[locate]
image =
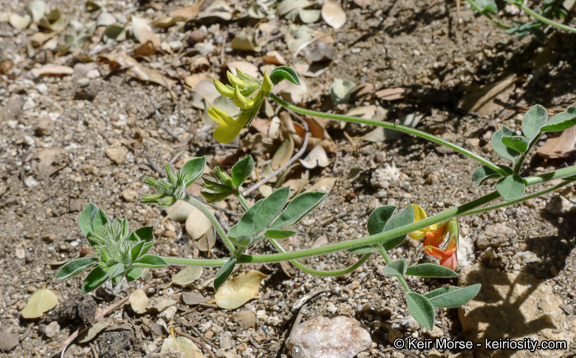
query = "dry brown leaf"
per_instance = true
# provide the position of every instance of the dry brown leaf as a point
(92, 332)
(182, 344)
(19, 22)
(559, 147)
(275, 58)
(391, 94)
(41, 301)
(53, 70)
(40, 38)
(187, 275)
(239, 290)
(207, 242)
(121, 61)
(180, 211)
(324, 185)
(480, 99)
(316, 158)
(187, 13)
(139, 301)
(283, 154)
(143, 32)
(197, 224)
(333, 14)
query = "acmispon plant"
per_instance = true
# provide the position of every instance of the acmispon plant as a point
(120, 254)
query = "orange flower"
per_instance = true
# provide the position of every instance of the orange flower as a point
(435, 239)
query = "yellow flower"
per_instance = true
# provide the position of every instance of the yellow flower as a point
(229, 127)
(420, 214)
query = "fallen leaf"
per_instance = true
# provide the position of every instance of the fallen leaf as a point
(287, 6)
(53, 21)
(39, 38)
(316, 158)
(297, 36)
(114, 33)
(92, 332)
(275, 58)
(218, 8)
(319, 53)
(340, 90)
(283, 154)
(187, 275)
(159, 304)
(239, 290)
(245, 318)
(480, 99)
(193, 298)
(390, 94)
(381, 134)
(189, 12)
(559, 147)
(121, 61)
(245, 42)
(182, 344)
(139, 301)
(105, 19)
(143, 32)
(324, 185)
(41, 301)
(207, 242)
(309, 16)
(206, 95)
(333, 14)
(197, 224)
(36, 9)
(180, 211)
(53, 70)
(19, 22)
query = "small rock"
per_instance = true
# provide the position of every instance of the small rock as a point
(8, 341)
(159, 304)
(20, 253)
(434, 333)
(130, 195)
(117, 154)
(559, 205)
(245, 318)
(472, 142)
(340, 337)
(52, 329)
(382, 177)
(49, 238)
(86, 70)
(528, 256)
(193, 298)
(44, 127)
(196, 36)
(76, 205)
(13, 109)
(51, 160)
(31, 182)
(495, 235)
(465, 252)
(169, 313)
(226, 340)
(90, 169)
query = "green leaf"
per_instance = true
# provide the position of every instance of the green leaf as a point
(270, 208)
(517, 143)
(511, 187)
(450, 297)
(483, 174)
(402, 218)
(92, 220)
(561, 121)
(223, 177)
(243, 241)
(430, 270)
(421, 309)
(534, 119)
(145, 233)
(378, 219)
(94, 280)
(279, 234)
(36, 9)
(224, 272)
(242, 170)
(116, 270)
(396, 268)
(500, 148)
(487, 5)
(245, 226)
(193, 169)
(297, 208)
(75, 267)
(136, 250)
(213, 197)
(150, 261)
(284, 73)
(133, 274)
(114, 33)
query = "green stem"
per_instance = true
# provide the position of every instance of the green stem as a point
(213, 220)
(395, 127)
(388, 262)
(463, 210)
(242, 200)
(520, 161)
(540, 17)
(485, 13)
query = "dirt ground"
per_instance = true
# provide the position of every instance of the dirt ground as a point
(65, 142)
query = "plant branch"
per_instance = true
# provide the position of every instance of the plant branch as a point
(485, 13)
(540, 17)
(213, 220)
(395, 127)
(388, 262)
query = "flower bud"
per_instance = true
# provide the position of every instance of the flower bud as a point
(267, 85)
(223, 89)
(241, 101)
(235, 81)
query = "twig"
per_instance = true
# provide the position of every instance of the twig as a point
(98, 318)
(331, 219)
(203, 339)
(197, 341)
(154, 166)
(175, 158)
(286, 165)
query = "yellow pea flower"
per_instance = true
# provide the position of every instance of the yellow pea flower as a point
(420, 214)
(241, 101)
(229, 127)
(223, 89)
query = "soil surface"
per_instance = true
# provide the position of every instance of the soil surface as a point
(67, 141)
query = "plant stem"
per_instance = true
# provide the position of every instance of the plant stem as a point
(463, 210)
(311, 271)
(540, 17)
(242, 200)
(395, 127)
(388, 262)
(213, 220)
(520, 161)
(485, 13)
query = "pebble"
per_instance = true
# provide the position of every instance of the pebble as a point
(44, 127)
(245, 318)
(20, 253)
(495, 235)
(52, 329)
(169, 313)
(559, 205)
(31, 182)
(76, 205)
(196, 36)
(340, 337)
(8, 341)
(130, 195)
(117, 154)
